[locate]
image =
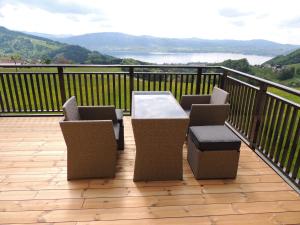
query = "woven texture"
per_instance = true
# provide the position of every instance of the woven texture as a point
(91, 149)
(158, 148)
(212, 164)
(105, 113)
(206, 109)
(91, 134)
(187, 100)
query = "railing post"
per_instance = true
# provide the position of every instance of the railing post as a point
(257, 117)
(131, 84)
(223, 79)
(60, 71)
(198, 80)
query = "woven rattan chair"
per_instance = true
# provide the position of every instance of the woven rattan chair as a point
(206, 109)
(91, 135)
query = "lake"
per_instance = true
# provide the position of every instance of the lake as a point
(160, 58)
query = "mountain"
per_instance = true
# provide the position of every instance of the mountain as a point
(31, 48)
(48, 36)
(291, 58)
(114, 43)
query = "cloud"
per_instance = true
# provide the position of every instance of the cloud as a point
(238, 23)
(54, 6)
(293, 23)
(231, 12)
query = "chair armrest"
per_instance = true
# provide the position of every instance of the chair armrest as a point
(208, 114)
(98, 113)
(187, 100)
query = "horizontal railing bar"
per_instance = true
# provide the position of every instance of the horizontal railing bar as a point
(31, 114)
(95, 73)
(244, 83)
(103, 66)
(269, 83)
(105, 73)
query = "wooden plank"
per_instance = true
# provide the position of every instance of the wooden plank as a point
(34, 189)
(150, 212)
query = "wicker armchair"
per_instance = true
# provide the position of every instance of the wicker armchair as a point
(206, 109)
(91, 135)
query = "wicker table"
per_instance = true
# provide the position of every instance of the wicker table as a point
(159, 127)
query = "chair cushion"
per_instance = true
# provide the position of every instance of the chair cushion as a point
(70, 109)
(214, 138)
(219, 96)
(119, 113)
(187, 111)
(116, 127)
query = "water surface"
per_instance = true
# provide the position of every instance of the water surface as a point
(160, 58)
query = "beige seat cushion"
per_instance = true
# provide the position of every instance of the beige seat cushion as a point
(70, 109)
(219, 96)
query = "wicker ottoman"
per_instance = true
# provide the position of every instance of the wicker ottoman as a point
(213, 152)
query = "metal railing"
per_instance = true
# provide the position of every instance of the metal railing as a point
(268, 123)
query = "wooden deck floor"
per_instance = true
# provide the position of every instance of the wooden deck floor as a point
(34, 189)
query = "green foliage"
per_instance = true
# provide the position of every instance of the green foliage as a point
(286, 73)
(28, 47)
(298, 71)
(241, 64)
(292, 58)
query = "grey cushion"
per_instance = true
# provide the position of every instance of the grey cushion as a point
(214, 138)
(119, 113)
(187, 111)
(219, 96)
(70, 109)
(116, 130)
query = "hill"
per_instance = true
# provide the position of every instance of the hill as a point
(31, 48)
(110, 43)
(291, 58)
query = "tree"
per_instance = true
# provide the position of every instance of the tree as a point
(286, 73)
(15, 58)
(241, 65)
(298, 71)
(46, 60)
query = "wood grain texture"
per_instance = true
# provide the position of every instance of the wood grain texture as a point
(34, 188)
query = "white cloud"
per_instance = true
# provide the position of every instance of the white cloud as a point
(214, 19)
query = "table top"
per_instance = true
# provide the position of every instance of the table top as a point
(156, 105)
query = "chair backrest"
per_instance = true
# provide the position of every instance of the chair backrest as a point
(219, 96)
(70, 109)
(209, 114)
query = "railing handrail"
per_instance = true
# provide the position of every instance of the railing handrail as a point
(261, 80)
(242, 74)
(104, 66)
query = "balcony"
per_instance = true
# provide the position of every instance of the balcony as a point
(34, 188)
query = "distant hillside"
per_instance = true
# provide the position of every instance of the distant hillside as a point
(111, 43)
(31, 48)
(291, 58)
(27, 46)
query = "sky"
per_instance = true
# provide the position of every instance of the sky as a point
(275, 20)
